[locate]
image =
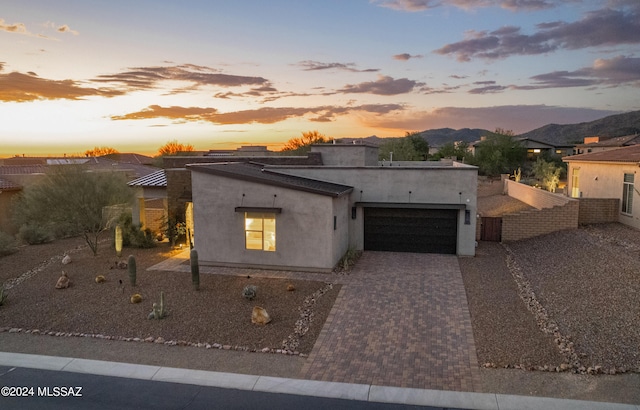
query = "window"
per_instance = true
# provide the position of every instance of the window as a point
(260, 231)
(575, 183)
(627, 194)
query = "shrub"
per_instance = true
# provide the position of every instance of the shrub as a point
(133, 236)
(35, 234)
(7, 244)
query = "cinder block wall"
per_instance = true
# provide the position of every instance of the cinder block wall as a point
(598, 210)
(535, 197)
(536, 222)
(553, 213)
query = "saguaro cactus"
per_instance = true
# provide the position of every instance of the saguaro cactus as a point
(131, 265)
(195, 269)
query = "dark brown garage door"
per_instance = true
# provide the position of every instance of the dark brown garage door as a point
(411, 230)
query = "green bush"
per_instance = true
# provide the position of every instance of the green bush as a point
(35, 234)
(8, 244)
(133, 236)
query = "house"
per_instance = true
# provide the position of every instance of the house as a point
(598, 144)
(608, 174)
(306, 217)
(535, 148)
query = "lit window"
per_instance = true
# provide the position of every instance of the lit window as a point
(558, 151)
(536, 151)
(627, 194)
(260, 231)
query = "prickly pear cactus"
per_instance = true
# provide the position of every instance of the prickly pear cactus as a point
(131, 265)
(195, 269)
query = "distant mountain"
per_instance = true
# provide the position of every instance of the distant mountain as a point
(612, 126)
(570, 134)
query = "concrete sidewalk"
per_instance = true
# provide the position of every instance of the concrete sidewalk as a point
(347, 391)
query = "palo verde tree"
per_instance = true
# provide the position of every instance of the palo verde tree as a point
(411, 147)
(457, 150)
(302, 145)
(100, 151)
(71, 199)
(174, 148)
(499, 153)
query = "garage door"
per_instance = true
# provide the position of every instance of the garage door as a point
(411, 230)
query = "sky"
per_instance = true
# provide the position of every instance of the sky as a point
(219, 74)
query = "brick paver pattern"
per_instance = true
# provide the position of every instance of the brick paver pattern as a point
(400, 320)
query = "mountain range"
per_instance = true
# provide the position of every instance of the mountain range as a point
(568, 134)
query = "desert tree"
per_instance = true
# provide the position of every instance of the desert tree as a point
(548, 173)
(411, 147)
(100, 151)
(174, 148)
(302, 145)
(71, 199)
(499, 153)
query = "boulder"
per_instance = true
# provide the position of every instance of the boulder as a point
(63, 281)
(260, 316)
(66, 259)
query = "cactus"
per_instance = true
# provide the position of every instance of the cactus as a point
(158, 310)
(118, 240)
(3, 296)
(195, 269)
(131, 264)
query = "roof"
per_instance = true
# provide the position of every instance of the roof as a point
(614, 142)
(155, 179)
(130, 158)
(7, 185)
(258, 173)
(629, 154)
(22, 169)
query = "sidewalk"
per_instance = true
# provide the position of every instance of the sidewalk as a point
(362, 392)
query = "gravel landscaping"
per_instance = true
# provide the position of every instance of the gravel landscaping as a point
(216, 316)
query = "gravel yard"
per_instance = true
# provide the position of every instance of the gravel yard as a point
(217, 314)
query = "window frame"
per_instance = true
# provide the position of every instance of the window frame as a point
(626, 203)
(266, 245)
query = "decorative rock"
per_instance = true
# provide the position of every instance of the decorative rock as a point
(136, 298)
(66, 259)
(100, 279)
(290, 287)
(266, 350)
(260, 316)
(63, 281)
(159, 340)
(249, 292)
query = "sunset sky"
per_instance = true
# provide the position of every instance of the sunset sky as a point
(218, 74)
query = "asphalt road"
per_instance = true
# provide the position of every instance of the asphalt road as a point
(45, 389)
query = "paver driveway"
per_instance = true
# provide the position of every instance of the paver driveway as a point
(400, 320)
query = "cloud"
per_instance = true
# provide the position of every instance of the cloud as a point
(310, 65)
(519, 118)
(19, 87)
(266, 115)
(406, 56)
(605, 27)
(385, 85)
(65, 29)
(421, 5)
(145, 78)
(604, 72)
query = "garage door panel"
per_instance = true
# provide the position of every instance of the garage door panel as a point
(411, 230)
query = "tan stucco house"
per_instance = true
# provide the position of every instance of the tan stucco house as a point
(306, 217)
(608, 174)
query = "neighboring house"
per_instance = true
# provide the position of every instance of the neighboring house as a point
(150, 208)
(599, 144)
(608, 174)
(535, 148)
(8, 190)
(306, 217)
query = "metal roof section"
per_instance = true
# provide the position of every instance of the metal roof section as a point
(258, 173)
(155, 179)
(630, 154)
(23, 169)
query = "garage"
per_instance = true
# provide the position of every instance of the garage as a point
(411, 230)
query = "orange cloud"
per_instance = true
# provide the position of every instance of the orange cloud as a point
(19, 87)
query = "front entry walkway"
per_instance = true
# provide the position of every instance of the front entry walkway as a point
(401, 320)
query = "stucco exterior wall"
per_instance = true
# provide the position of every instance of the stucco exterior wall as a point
(354, 155)
(605, 180)
(535, 197)
(302, 229)
(429, 185)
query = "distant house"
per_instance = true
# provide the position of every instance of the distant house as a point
(535, 148)
(306, 217)
(599, 144)
(611, 173)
